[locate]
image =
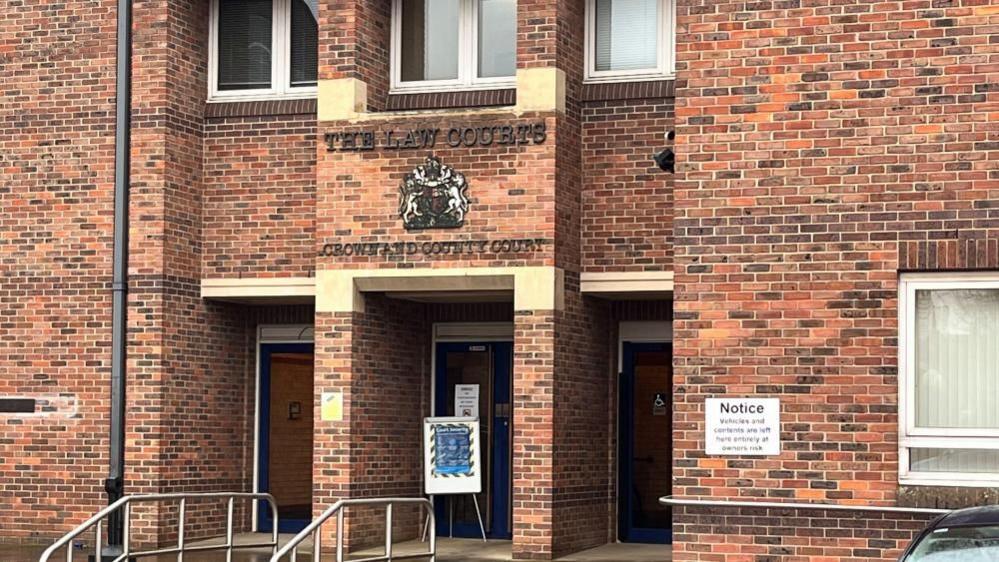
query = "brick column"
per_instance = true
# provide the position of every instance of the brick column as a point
(533, 433)
(377, 357)
(189, 410)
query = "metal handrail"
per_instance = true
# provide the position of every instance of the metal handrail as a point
(314, 530)
(670, 500)
(126, 502)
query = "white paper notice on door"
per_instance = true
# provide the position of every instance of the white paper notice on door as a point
(742, 426)
(466, 400)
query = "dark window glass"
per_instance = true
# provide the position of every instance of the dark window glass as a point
(304, 42)
(244, 44)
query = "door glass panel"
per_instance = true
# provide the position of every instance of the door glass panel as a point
(652, 460)
(290, 462)
(474, 368)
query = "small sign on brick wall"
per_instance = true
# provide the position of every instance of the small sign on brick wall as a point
(742, 426)
(331, 408)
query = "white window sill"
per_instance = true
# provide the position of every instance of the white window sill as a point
(951, 480)
(402, 90)
(263, 97)
(629, 78)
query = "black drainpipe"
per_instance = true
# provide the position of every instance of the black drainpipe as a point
(115, 483)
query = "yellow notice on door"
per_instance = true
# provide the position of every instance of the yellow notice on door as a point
(332, 406)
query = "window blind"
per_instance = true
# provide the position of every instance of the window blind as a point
(244, 44)
(954, 460)
(304, 42)
(626, 34)
(957, 359)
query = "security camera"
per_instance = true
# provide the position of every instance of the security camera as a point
(666, 160)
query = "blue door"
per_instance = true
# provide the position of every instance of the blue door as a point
(646, 442)
(487, 366)
(285, 435)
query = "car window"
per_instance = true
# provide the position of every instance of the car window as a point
(958, 544)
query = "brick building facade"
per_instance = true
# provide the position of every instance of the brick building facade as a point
(827, 153)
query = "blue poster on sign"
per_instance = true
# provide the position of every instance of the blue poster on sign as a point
(453, 453)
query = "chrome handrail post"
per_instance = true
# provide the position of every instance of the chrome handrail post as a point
(388, 531)
(339, 535)
(181, 515)
(274, 529)
(229, 529)
(126, 533)
(317, 544)
(98, 539)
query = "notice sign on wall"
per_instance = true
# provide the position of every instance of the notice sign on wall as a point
(742, 426)
(331, 406)
(466, 400)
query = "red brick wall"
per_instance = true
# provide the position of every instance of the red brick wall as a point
(584, 479)
(56, 154)
(260, 196)
(817, 147)
(627, 200)
(510, 192)
(354, 43)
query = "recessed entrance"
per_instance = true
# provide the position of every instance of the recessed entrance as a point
(646, 408)
(482, 368)
(285, 434)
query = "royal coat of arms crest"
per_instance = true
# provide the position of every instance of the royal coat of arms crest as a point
(433, 195)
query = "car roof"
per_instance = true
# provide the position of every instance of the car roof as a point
(985, 515)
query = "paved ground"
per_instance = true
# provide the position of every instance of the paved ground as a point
(448, 550)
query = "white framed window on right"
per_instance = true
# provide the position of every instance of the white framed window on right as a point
(630, 40)
(949, 379)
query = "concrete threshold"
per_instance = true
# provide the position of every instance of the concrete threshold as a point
(448, 550)
(473, 550)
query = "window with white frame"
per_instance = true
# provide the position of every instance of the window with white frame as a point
(440, 45)
(263, 48)
(629, 40)
(949, 384)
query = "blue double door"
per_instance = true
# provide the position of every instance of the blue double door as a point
(483, 370)
(645, 442)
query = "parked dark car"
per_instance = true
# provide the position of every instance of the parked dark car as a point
(965, 535)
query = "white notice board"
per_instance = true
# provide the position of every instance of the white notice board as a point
(742, 426)
(466, 400)
(451, 456)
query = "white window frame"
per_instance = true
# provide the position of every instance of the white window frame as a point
(468, 50)
(280, 65)
(665, 68)
(911, 436)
